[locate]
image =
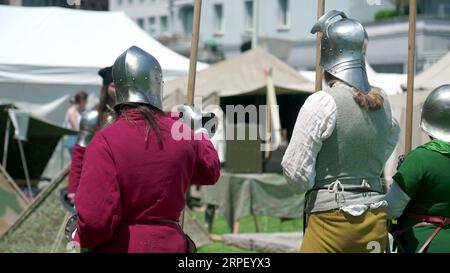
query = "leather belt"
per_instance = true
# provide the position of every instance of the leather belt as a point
(426, 220)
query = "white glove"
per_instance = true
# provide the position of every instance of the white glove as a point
(198, 121)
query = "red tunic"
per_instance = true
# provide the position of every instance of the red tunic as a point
(126, 184)
(75, 168)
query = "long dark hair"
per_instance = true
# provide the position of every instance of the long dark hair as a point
(104, 107)
(148, 112)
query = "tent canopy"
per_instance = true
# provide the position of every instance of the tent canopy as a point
(435, 76)
(42, 138)
(241, 75)
(48, 54)
(58, 45)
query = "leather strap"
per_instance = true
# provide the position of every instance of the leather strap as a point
(426, 220)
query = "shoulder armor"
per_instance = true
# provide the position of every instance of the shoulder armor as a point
(88, 126)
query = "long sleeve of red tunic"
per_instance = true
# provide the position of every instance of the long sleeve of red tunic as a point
(75, 168)
(127, 185)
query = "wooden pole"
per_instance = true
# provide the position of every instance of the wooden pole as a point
(269, 102)
(320, 12)
(236, 226)
(193, 65)
(256, 221)
(411, 71)
(194, 51)
(25, 167)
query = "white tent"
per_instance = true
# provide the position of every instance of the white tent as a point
(398, 104)
(436, 75)
(47, 54)
(433, 77)
(240, 75)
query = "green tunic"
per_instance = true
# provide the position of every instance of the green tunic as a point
(425, 178)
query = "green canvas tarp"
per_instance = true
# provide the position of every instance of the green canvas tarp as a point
(40, 228)
(240, 195)
(43, 137)
(37, 228)
(12, 202)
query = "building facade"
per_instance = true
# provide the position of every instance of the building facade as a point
(281, 26)
(231, 23)
(100, 5)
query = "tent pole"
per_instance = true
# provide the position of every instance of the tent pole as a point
(411, 71)
(6, 144)
(25, 167)
(268, 124)
(320, 12)
(193, 65)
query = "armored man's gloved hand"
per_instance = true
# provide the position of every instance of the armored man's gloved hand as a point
(198, 120)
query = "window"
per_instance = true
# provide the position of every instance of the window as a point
(152, 25)
(141, 23)
(119, 2)
(284, 14)
(218, 18)
(444, 10)
(249, 15)
(186, 15)
(130, 2)
(164, 24)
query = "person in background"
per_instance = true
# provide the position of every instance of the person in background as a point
(136, 171)
(342, 139)
(419, 198)
(73, 118)
(91, 121)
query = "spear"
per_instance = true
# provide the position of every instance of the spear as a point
(194, 52)
(411, 70)
(193, 63)
(320, 12)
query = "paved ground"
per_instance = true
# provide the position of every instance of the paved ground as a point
(270, 242)
(266, 242)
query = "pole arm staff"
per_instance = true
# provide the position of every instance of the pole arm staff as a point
(411, 71)
(194, 52)
(320, 13)
(193, 67)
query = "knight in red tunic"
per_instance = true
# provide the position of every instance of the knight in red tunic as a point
(136, 172)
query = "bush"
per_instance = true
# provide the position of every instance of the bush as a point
(384, 14)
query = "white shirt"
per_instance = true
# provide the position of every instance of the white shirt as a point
(315, 123)
(67, 123)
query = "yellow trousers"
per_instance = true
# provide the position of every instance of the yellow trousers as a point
(339, 232)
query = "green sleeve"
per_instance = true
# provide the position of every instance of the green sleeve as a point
(410, 175)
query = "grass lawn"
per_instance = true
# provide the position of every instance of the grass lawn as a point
(247, 225)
